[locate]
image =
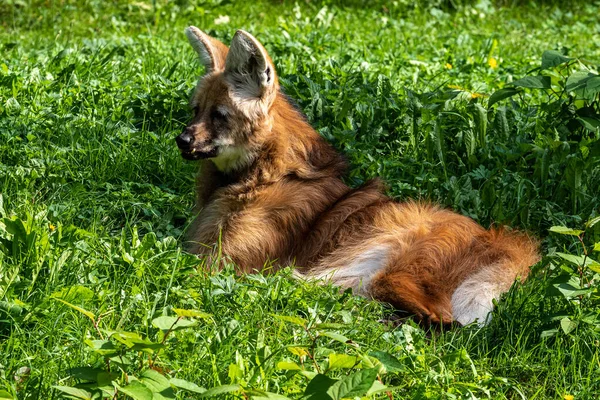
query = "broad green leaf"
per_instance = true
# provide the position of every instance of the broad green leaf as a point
(11, 307)
(591, 124)
(594, 266)
(353, 385)
(288, 366)
(75, 292)
(298, 351)
(552, 58)
(577, 80)
(15, 227)
(191, 313)
(318, 386)
(87, 313)
(128, 258)
(293, 320)
(154, 380)
(186, 385)
(592, 222)
(4, 395)
(501, 95)
(569, 291)
(106, 379)
(125, 338)
(390, 362)
(102, 347)
(86, 373)
(330, 326)
(73, 392)
(342, 361)
(480, 117)
(534, 82)
(549, 333)
(338, 337)
(136, 390)
(563, 230)
(221, 390)
(377, 387)
(567, 325)
(135, 342)
(166, 323)
(596, 246)
(262, 395)
(575, 260)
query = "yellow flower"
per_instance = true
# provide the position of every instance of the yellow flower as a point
(493, 63)
(52, 227)
(569, 397)
(448, 66)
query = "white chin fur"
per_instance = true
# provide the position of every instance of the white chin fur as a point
(232, 158)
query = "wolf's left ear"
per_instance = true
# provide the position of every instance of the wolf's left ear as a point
(211, 51)
(249, 66)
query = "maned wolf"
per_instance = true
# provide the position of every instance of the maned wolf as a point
(270, 190)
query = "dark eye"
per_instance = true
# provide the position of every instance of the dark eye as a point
(218, 116)
(196, 110)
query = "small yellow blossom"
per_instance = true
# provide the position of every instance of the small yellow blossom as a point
(493, 63)
(448, 66)
(52, 227)
(569, 397)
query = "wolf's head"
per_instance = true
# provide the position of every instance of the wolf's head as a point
(231, 102)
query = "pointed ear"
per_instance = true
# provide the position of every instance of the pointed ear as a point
(211, 51)
(249, 66)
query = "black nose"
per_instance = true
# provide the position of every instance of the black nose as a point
(184, 140)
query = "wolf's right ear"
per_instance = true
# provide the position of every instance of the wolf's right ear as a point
(212, 52)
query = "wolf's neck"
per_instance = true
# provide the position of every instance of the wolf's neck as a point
(296, 148)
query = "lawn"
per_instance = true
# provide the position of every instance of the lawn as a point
(489, 108)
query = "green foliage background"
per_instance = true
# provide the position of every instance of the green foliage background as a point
(95, 197)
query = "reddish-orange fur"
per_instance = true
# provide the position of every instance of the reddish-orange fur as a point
(285, 203)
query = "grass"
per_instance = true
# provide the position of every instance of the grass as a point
(95, 197)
